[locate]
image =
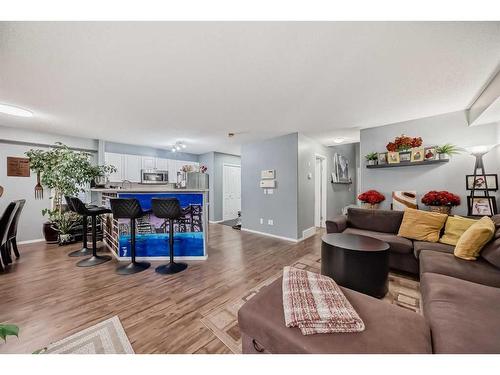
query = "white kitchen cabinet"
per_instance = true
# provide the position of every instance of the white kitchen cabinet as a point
(162, 164)
(118, 161)
(148, 162)
(132, 168)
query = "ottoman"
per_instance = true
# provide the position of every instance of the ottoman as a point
(388, 328)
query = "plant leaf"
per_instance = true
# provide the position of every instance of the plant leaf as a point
(8, 330)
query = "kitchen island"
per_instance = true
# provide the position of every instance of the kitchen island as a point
(152, 232)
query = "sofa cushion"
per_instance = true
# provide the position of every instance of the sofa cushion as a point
(473, 240)
(418, 246)
(491, 251)
(454, 227)
(375, 220)
(463, 315)
(388, 328)
(422, 225)
(398, 244)
(480, 272)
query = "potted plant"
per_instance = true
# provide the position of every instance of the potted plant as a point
(440, 201)
(447, 149)
(371, 199)
(404, 143)
(372, 158)
(62, 223)
(65, 172)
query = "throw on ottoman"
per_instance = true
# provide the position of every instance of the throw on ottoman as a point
(388, 328)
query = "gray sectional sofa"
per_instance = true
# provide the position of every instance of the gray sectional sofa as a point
(461, 301)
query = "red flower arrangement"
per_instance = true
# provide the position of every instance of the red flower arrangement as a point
(404, 143)
(440, 198)
(371, 197)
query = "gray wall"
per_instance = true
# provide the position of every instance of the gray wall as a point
(281, 154)
(208, 161)
(30, 224)
(437, 130)
(338, 195)
(121, 148)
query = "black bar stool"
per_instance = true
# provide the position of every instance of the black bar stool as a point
(93, 212)
(170, 209)
(124, 208)
(84, 251)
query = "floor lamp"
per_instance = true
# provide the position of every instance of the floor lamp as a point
(478, 152)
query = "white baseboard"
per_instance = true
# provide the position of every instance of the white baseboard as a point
(31, 241)
(270, 235)
(308, 233)
(215, 222)
(152, 259)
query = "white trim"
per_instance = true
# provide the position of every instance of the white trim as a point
(127, 259)
(308, 233)
(271, 235)
(31, 241)
(215, 222)
(224, 187)
(324, 195)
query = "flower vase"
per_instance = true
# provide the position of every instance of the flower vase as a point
(370, 206)
(441, 209)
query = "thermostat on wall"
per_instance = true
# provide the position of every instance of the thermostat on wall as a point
(267, 174)
(268, 184)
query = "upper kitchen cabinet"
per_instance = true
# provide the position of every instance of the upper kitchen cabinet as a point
(132, 168)
(148, 162)
(162, 164)
(117, 161)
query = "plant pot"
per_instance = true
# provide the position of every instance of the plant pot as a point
(64, 239)
(370, 206)
(49, 233)
(442, 156)
(372, 162)
(441, 209)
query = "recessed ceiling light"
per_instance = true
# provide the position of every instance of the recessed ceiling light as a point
(15, 111)
(338, 140)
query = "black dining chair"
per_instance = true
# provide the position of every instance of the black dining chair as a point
(5, 221)
(12, 233)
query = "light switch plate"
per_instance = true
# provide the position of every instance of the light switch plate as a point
(266, 184)
(268, 174)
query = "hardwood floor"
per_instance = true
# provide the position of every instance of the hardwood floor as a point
(49, 298)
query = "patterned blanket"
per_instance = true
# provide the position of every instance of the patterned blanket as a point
(315, 304)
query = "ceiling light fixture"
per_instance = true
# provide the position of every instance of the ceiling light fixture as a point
(338, 140)
(15, 111)
(177, 146)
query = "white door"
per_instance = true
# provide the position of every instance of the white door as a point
(319, 191)
(231, 187)
(132, 168)
(117, 161)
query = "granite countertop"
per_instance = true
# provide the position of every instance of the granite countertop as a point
(147, 189)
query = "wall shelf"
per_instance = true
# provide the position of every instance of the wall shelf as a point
(409, 164)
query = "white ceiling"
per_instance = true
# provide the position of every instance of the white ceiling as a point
(156, 83)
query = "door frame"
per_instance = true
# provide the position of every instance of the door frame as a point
(224, 186)
(323, 188)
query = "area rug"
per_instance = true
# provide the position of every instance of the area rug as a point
(223, 321)
(107, 337)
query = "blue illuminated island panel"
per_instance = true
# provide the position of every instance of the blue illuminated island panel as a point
(152, 232)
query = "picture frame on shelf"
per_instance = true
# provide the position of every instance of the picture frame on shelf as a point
(393, 157)
(430, 153)
(490, 179)
(479, 206)
(405, 156)
(417, 154)
(382, 158)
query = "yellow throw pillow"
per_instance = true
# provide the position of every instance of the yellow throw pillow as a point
(454, 228)
(422, 225)
(472, 241)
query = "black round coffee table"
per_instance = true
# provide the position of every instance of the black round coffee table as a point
(356, 262)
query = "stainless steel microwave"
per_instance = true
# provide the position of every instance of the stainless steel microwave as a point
(154, 176)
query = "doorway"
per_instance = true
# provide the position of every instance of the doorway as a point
(231, 191)
(319, 191)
